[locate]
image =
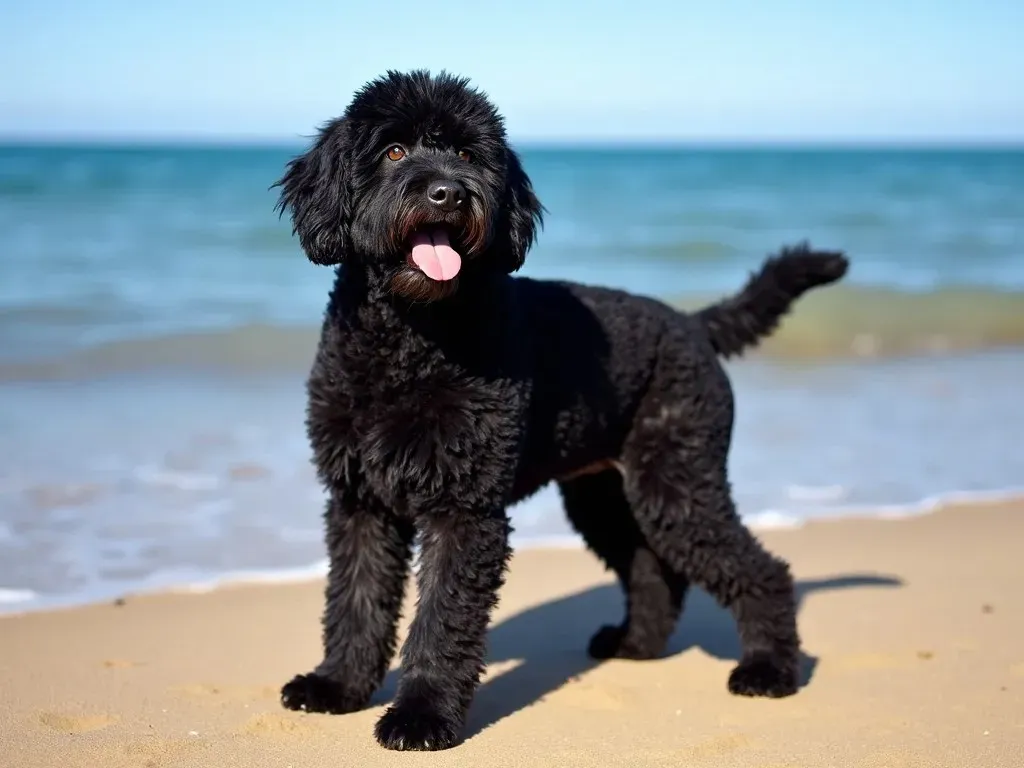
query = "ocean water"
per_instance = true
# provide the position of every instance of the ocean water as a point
(157, 320)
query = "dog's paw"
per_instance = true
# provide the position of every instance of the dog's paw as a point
(313, 693)
(416, 726)
(762, 674)
(605, 642)
(613, 642)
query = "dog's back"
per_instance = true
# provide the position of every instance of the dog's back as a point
(588, 317)
(595, 351)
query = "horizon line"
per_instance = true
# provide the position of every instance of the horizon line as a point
(527, 144)
(225, 141)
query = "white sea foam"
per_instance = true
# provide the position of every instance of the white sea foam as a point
(13, 596)
(771, 519)
(554, 541)
(310, 572)
(930, 504)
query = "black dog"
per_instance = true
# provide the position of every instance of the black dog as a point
(445, 390)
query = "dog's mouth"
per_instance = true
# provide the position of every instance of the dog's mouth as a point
(431, 252)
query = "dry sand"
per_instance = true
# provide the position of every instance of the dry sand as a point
(914, 632)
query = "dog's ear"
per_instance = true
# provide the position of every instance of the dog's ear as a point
(316, 191)
(521, 216)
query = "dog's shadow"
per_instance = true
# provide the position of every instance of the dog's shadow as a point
(550, 642)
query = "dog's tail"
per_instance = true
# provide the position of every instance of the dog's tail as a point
(742, 320)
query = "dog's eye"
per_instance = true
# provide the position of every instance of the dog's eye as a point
(464, 155)
(396, 153)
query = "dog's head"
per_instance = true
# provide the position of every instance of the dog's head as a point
(416, 184)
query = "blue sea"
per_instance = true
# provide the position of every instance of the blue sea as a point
(157, 321)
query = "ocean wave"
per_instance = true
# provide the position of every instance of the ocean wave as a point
(839, 322)
(245, 349)
(860, 322)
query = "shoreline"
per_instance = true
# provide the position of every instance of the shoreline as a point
(13, 599)
(908, 630)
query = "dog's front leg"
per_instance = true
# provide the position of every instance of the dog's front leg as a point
(462, 567)
(369, 550)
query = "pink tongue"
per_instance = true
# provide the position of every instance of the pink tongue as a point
(433, 254)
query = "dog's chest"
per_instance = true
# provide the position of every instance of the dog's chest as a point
(420, 425)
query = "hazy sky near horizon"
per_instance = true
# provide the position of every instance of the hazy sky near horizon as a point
(558, 69)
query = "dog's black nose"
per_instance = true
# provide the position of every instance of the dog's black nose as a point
(447, 195)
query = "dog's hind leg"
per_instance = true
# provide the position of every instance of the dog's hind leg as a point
(676, 481)
(596, 506)
(369, 550)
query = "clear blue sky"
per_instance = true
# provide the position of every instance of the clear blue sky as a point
(558, 69)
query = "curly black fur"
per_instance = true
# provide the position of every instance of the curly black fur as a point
(435, 405)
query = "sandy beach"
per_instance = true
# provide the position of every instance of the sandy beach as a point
(912, 630)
